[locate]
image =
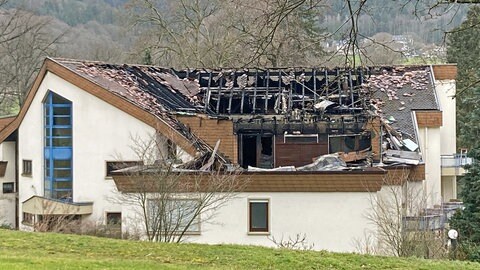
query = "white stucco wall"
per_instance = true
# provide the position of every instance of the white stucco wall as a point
(329, 220)
(101, 133)
(7, 201)
(430, 144)
(445, 90)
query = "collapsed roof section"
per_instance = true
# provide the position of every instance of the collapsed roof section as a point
(297, 102)
(148, 88)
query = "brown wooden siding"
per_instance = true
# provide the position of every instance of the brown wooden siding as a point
(397, 175)
(211, 130)
(6, 121)
(445, 72)
(429, 118)
(374, 127)
(297, 154)
(338, 181)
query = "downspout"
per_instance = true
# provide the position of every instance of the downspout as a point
(426, 186)
(17, 193)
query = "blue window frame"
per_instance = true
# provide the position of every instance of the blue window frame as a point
(58, 147)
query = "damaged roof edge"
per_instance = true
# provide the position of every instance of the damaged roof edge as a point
(121, 103)
(51, 65)
(415, 124)
(432, 78)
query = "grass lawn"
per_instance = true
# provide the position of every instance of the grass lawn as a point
(22, 250)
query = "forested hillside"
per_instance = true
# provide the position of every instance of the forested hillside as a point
(217, 33)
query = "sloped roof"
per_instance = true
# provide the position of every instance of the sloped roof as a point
(154, 94)
(144, 107)
(5, 121)
(398, 91)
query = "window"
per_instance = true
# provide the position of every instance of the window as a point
(258, 216)
(348, 143)
(58, 174)
(114, 219)
(302, 138)
(175, 216)
(28, 218)
(9, 187)
(256, 149)
(27, 168)
(117, 165)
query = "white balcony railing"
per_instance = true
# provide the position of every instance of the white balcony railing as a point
(455, 160)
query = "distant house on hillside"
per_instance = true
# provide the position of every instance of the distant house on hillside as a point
(79, 116)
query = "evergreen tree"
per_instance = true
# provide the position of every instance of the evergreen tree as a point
(464, 49)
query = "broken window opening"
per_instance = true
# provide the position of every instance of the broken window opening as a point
(348, 143)
(256, 150)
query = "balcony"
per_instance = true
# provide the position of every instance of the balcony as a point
(453, 165)
(433, 219)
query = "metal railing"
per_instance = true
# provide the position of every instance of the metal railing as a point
(433, 218)
(456, 160)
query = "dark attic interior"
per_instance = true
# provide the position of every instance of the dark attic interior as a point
(288, 119)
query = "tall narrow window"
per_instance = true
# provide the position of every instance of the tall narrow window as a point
(58, 147)
(27, 168)
(258, 216)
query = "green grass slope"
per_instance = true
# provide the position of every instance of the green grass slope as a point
(21, 250)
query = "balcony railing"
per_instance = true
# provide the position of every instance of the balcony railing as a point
(456, 160)
(433, 218)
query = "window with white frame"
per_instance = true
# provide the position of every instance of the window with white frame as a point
(174, 215)
(258, 215)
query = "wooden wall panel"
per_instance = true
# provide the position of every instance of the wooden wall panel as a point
(328, 181)
(298, 154)
(429, 118)
(445, 72)
(5, 121)
(211, 130)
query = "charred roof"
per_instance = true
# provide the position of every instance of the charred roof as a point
(310, 97)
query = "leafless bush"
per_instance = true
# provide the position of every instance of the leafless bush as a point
(298, 242)
(171, 202)
(403, 227)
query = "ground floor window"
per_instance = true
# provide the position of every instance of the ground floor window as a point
(258, 215)
(114, 219)
(8, 187)
(113, 224)
(28, 219)
(174, 215)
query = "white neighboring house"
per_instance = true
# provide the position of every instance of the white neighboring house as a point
(80, 117)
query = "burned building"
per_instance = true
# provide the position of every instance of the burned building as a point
(313, 142)
(286, 116)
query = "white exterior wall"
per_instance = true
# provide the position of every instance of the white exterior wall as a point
(101, 133)
(446, 96)
(330, 220)
(7, 201)
(446, 90)
(430, 141)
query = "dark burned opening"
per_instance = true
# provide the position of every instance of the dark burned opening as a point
(349, 143)
(256, 149)
(266, 152)
(249, 150)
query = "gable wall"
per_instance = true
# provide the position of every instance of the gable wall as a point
(7, 201)
(101, 133)
(211, 130)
